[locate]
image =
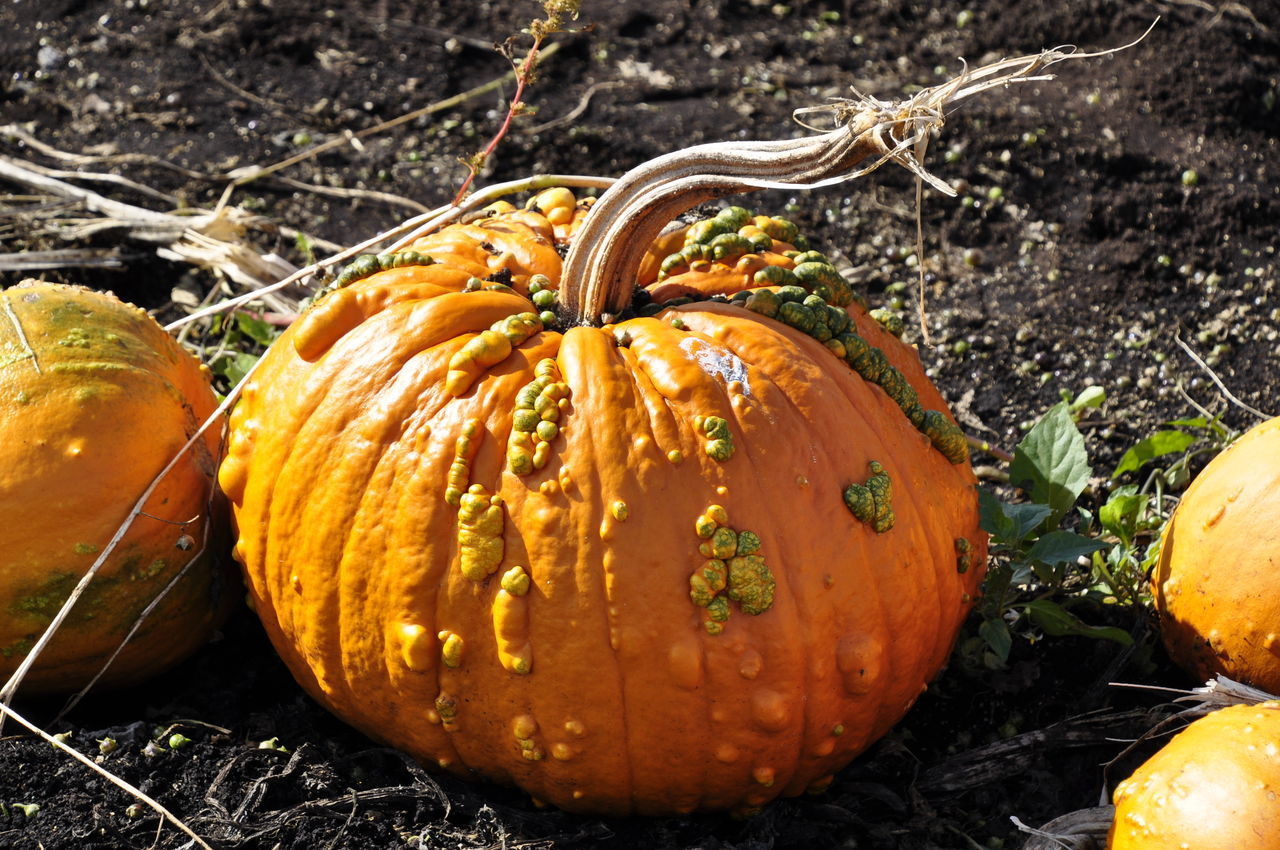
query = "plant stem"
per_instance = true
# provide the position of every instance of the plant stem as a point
(599, 271)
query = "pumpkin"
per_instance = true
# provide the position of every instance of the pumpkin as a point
(1213, 787)
(95, 399)
(538, 521)
(1215, 585)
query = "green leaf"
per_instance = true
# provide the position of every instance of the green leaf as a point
(1159, 444)
(1062, 547)
(1092, 396)
(1056, 621)
(1007, 522)
(256, 329)
(1121, 512)
(996, 634)
(235, 366)
(1051, 462)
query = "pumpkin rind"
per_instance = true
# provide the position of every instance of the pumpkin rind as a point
(95, 398)
(1212, 787)
(592, 676)
(1216, 583)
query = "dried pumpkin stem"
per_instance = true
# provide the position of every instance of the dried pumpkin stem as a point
(600, 269)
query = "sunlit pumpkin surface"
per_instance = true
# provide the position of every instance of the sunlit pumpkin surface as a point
(95, 399)
(1213, 787)
(689, 560)
(1217, 586)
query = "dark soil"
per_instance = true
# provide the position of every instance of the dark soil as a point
(1081, 248)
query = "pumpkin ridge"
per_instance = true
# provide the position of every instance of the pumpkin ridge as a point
(922, 541)
(792, 604)
(789, 336)
(582, 372)
(905, 495)
(664, 426)
(788, 603)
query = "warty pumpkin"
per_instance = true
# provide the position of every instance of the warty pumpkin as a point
(635, 553)
(1217, 584)
(95, 399)
(1213, 787)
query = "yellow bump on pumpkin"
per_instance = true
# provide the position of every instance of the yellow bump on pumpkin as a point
(520, 447)
(433, 716)
(722, 490)
(557, 204)
(685, 663)
(524, 727)
(675, 456)
(750, 663)
(447, 707)
(825, 747)
(707, 581)
(724, 543)
(718, 513)
(416, 647)
(964, 555)
(464, 449)
(575, 727)
(561, 751)
(325, 323)
(764, 775)
(516, 581)
(771, 710)
(480, 526)
(620, 510)
(541, 455)
(704, 526)
(511, 632)
(486, 349)
(296, 583)
(859, 658)
(450, 648)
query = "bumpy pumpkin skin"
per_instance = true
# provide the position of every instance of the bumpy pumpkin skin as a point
(1213, 787)
(572, 660)
(95, 398)
(1216, 585)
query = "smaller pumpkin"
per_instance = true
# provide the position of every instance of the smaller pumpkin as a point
(1213, 787)
(95, 399)
(1217, 585)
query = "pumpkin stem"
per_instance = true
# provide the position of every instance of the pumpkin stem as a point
(600, 269)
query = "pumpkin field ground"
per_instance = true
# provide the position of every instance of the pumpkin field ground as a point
(1102, 218)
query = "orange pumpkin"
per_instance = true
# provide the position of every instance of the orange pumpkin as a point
(689, 557)
(1213, 787)
(1216, 583)
(95, 399)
